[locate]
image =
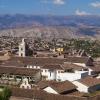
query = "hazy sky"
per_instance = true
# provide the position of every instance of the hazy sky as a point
(54, 7)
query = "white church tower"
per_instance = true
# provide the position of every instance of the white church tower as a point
(22, 48)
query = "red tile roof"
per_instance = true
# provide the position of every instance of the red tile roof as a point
(18, 71)
(60, 87)
(90, 81)
(53, 67)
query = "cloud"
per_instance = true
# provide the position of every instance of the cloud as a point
(95, 4)
(45, 1)
(81, 13)
(56, 2)
(59, 2)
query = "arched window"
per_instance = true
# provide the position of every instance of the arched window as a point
(21, 54)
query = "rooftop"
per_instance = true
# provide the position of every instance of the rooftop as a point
(53, 67)
(60, 87)
(18, 71)
(90, 81)
(68, 65)
(33, 61)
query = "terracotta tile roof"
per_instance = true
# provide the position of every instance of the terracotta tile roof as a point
(4, 58)
(13, 63)
(36, 61)
(76, 93)
(42, 95)
(43, 84)
(96, 67)
(52, 67)
(76, 59)
(2, 53)
(90, 81)
(26, 93)
(19, 98)
(18, 71)
(60, 87)
(68, 65)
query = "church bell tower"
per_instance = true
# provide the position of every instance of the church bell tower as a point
(22, 48)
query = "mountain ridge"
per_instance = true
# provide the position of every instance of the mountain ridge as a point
(71, 20)
(76, 25)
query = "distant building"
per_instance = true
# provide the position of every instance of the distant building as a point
(25, 84)
(87, 84)
(15, 76)
(24, 49)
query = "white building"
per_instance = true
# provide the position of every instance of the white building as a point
(72, 76)
(50, 72)
(22, 49)
(88, 64)
(88, 84)
(72, 72)
(69, 72)
(25, 84)
(75, 70)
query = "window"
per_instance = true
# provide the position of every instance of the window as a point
(21, 54)
(21, 49)
(50, 74)
(58, 71)
(45, 70)
(62, 71)
(41, 70)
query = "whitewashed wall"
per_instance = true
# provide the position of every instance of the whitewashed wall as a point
(81, 64)
(81, 87)
(50, 90)
(71, 76)
(51, 75)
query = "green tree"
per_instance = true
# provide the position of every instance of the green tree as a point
(6, 93)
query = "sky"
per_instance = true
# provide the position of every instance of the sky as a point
(50, 7)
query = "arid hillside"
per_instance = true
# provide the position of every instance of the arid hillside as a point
(50, 26)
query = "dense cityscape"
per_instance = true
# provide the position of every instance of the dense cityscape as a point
(38, 69)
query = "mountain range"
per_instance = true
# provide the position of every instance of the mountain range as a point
(67, 25)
